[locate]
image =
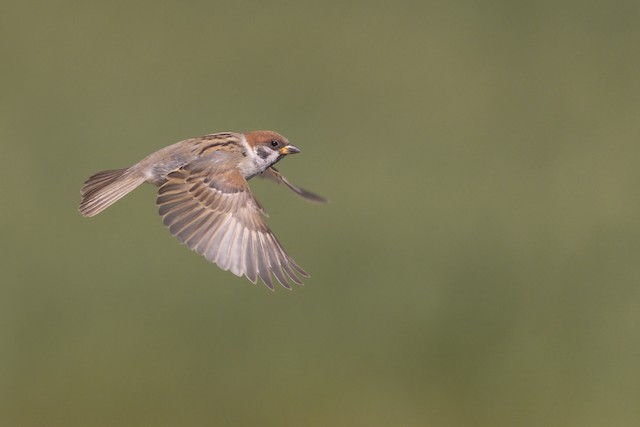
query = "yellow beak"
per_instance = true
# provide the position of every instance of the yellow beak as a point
(289, 149)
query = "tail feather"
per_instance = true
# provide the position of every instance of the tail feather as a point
(104, 189)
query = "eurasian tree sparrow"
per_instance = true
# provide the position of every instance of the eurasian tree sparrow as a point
(205, 201)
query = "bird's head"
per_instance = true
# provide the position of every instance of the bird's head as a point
(269, 146)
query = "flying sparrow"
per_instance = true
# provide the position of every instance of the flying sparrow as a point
(205, 201)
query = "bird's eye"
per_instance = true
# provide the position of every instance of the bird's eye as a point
(274, 143)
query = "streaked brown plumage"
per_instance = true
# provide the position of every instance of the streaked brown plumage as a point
(205, 201)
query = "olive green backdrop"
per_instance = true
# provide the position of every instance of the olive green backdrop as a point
(478, 264)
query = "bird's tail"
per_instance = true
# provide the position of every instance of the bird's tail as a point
(105, 188)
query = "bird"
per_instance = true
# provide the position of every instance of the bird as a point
(205, 201)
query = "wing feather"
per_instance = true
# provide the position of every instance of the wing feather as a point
(274, 175)
(209, 208)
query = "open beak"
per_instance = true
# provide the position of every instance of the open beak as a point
(289, 149)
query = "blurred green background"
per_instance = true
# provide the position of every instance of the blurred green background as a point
(478, 265)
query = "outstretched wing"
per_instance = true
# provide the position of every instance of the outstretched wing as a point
(274, 175)
(210, 208)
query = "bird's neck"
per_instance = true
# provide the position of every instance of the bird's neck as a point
(253, 161)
